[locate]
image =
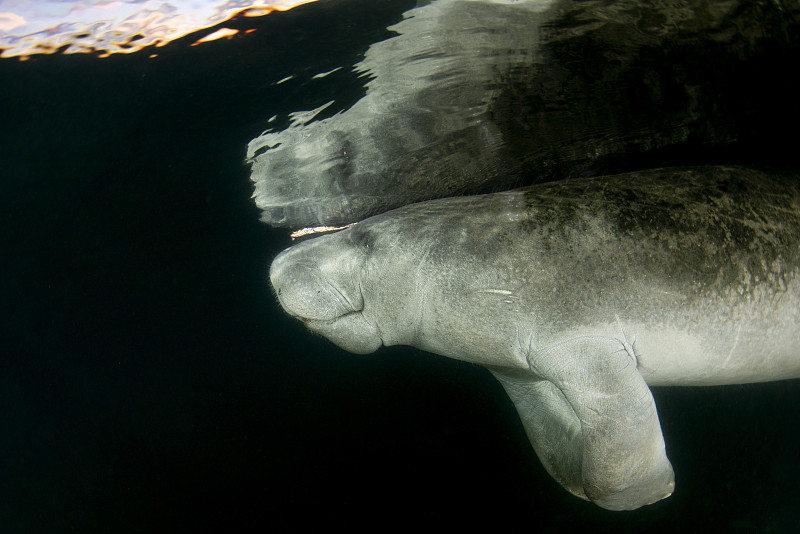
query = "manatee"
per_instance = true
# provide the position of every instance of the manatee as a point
(478, 96)
(577, 295)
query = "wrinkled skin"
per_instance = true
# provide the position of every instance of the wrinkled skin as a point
(577, 295)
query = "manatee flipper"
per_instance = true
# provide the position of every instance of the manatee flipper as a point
(592, 421)
(552, 426)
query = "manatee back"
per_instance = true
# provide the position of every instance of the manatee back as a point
(692, 262)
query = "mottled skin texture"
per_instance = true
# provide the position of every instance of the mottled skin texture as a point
(576, 295)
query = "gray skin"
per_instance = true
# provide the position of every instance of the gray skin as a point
(480, 96)
(576, 295)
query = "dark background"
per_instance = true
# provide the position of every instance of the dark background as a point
(149, 381)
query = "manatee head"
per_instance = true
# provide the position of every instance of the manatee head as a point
(318, 282)
(361, 287)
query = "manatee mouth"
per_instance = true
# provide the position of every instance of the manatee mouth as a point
(317, 286)
(318, 325)
(307, 297)
(323, 322)
(311, 291)
(350, 331)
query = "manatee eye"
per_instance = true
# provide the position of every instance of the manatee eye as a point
(365, 240)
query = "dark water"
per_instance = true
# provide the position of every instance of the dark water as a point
(150, 383)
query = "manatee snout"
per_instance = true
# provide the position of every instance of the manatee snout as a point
(297, 287)
(308, 287)
(316, 281)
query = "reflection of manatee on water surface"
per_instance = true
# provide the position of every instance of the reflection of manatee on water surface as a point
(480, 96)
(576, 295)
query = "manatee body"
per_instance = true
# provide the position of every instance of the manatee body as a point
(577, 295)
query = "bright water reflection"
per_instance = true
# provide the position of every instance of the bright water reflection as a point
(105, 27)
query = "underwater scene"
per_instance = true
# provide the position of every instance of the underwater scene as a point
(531, 265)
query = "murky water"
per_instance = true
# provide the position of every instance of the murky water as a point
(150, 382)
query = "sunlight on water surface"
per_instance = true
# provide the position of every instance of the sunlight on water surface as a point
(30, 27)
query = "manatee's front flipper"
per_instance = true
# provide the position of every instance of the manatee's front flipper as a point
(592, 421)
(551, 425)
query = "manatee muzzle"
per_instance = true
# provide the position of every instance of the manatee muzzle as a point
(315, 282)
